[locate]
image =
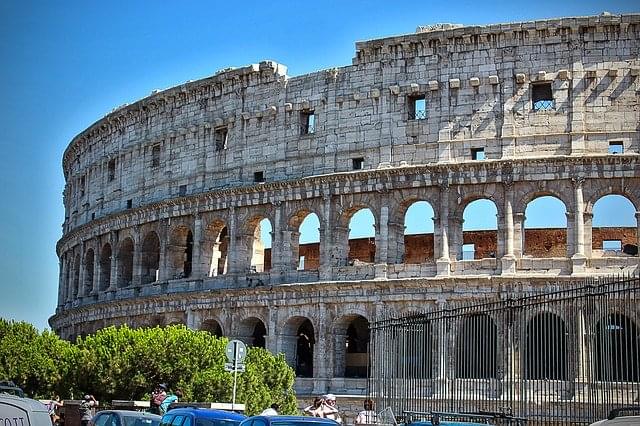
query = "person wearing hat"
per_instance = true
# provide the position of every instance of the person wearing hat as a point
(329, 408)
(157, 397)
(86, 409)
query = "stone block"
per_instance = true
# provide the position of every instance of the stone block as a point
(474, 81)
(493, 80)
(433, 85)
(395, 90)
(520, 78)
(414, 88)
(454, 83)
(563, 74)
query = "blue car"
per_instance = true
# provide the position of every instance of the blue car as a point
(193, 416)
(287, 421)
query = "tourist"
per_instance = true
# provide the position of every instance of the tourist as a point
(314, 410)
(329, 408)
(157, 397)
(271, 411)
(86, 409)
(368, 415)
(52, 406)
(170, 399)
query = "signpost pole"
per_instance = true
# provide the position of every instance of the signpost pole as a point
(235, 374)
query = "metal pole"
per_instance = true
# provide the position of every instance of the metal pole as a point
(235, 375)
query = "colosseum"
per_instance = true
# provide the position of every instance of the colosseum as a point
(168, 200)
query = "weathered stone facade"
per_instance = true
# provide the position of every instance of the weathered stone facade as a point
(164, 196)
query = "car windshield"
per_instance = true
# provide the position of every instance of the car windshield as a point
(139, 421)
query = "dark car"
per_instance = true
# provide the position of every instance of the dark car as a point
(194, 416)
(125, 418)
(10, 388)
(287, 421)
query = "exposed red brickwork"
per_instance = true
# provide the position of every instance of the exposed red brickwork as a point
(419, 248)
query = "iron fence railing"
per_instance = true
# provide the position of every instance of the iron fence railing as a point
(567, 355)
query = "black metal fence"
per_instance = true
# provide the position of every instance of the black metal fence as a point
(553, 357)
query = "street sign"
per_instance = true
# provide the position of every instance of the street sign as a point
(236, 351)
(230, 366)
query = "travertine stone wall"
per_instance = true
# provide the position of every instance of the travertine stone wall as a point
(164, 196)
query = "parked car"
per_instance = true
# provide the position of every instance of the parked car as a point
(287, 421)
(194, 416)
(16, 410)
(10, 388)
(617, 417)
(482, 418)
(125, 418)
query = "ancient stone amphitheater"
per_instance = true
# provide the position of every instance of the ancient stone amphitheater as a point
(164, 197)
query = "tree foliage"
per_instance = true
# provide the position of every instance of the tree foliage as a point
(126, 363)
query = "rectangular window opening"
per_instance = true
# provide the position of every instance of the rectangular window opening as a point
(417, 107)
(477, 154)
(358, 163)
(616, 147)
(468, 251)
(111, 170)
(308, 120)
(155, 156)
(82, 182)
(542, 97)
(612, 245)
(182, 190)
(258, 177)
(129, 204)
(220, 136)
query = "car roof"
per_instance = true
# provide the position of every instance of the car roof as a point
(207, 413)
(24, 403)
(132, 412)
(297, 419)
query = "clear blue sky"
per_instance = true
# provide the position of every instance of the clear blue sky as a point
(65, 64)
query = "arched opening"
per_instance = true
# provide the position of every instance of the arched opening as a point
(76, 276)
(89, 257)
(476, 348)
(261, 247)
(418, 233)
(362, 237)
(180, 253)
(545, 228)
(125, 263)
(617, 356)
(614, 227)
(105, 267)
(150, 258)
(357, 348)
(309, 243)
(304, 349)
(252, 331)
(479, 230)
(218, 240)
(545, 352)
(212, 326)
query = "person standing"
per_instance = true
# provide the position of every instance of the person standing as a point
(170, 399)
(271, 411)
(86, 409)
(315, 408)
(368, 415)
(157, 397)
(52, 407)
(329, 408)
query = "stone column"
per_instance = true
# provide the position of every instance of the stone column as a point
(113, 282)
(638, 233)
(193, 319)
(136, 279)
(326, 234)
(232, 249)
(509, 258)
(518, 234)
(588, 235)
(163, 273)
(81, 277)
(339, 355)
(197, 267)
(382, 243)
(443, 264)
(97, 269)
(579, 259)
(322, 361)
(577, 125)
(396, 243)
(61, 280)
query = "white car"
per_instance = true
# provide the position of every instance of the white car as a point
(17, 411)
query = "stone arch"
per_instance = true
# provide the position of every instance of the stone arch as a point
(476, 354)
(125, 263)
(613, 220)
(216, 248)
(213, 326)
(258, 247)
(595, 190)
(180, 252)
(479, 240)
(545, 348)
(75, 285)
(361, 240)
(89, 270)
(105, 266)
(299, 342)
(419, 240)
(351, 349)
(305, 244)
(545, 227)
(252, 331)
(617, 351)
(150, 258)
